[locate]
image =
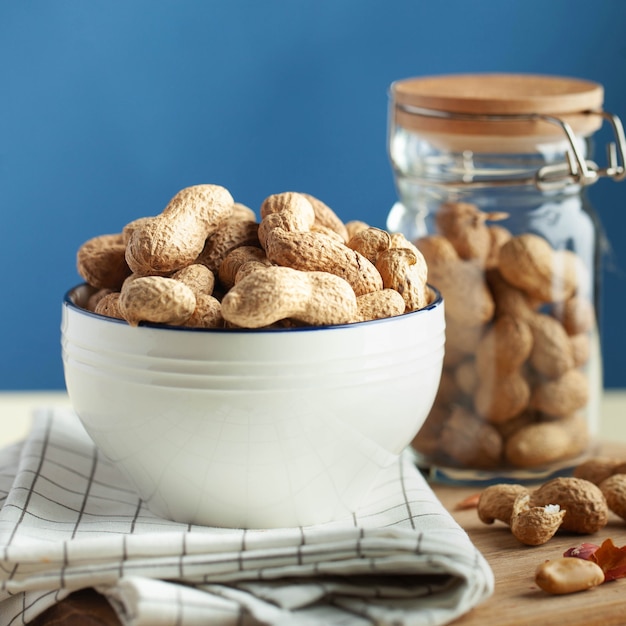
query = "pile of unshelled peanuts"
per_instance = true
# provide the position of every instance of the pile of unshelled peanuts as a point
(205, 261)
(577, 505)
(518, 336)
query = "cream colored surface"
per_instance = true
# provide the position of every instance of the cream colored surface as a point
(16, 410)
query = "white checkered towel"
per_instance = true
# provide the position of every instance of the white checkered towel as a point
(69, 521)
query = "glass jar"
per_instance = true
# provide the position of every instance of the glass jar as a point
(491, 172)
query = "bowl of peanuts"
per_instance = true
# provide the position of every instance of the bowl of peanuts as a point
(251, 373)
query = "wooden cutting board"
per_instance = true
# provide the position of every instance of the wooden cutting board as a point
(517, 601)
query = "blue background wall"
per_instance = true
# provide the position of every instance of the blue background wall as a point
(107, 108)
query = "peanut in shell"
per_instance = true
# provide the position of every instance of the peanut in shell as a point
(315, 252)
(529, 263)
(175, 238)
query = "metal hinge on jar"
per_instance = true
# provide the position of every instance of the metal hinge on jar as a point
(576, 170)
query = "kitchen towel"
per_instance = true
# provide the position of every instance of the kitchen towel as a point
(70, 521)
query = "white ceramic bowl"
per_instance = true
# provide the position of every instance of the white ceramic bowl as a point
(252, 428)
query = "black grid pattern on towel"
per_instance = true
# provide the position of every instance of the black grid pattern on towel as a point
(69, 520)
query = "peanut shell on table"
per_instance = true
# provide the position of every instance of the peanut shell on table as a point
(586, 510)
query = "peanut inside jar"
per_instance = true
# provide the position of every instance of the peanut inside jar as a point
(518, 339)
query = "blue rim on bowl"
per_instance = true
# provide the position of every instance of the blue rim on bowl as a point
(82, 291)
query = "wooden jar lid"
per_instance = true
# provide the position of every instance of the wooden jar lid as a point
(497, 94)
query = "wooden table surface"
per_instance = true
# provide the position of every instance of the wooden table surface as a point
(517, 601)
